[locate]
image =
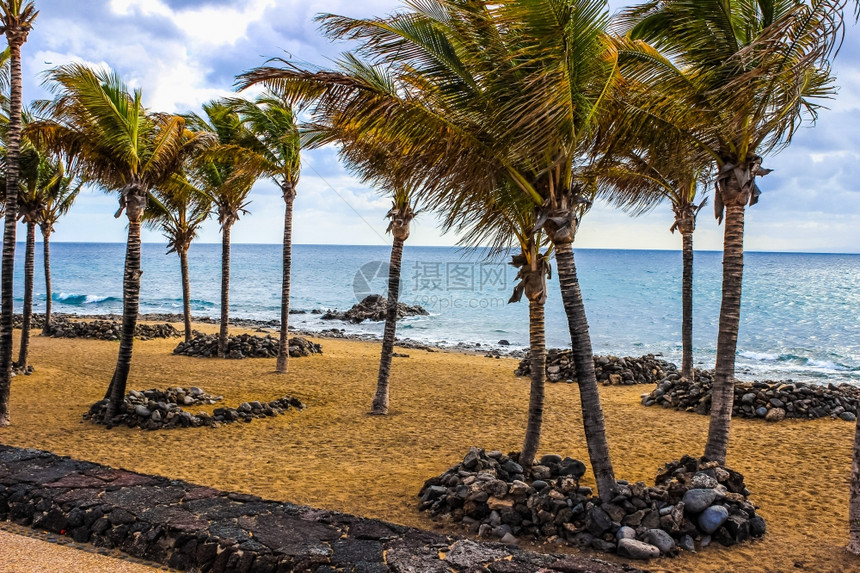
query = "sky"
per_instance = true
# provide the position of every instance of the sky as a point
(183, 53)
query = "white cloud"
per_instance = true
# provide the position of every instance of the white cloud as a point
(183, 54)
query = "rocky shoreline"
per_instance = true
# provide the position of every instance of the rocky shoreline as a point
(269, 326)
(769, 400)
(692, 503)
(374, 307)
(610, 370)
(160, 409)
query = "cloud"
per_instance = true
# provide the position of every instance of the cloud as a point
(183, 53)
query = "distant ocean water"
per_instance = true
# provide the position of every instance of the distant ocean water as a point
(799, 316)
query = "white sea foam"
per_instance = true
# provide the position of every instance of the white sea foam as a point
(826, 365)
(763, 356)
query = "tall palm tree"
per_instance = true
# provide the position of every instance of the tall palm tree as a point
(533, 270)
(400, 218)
(650, 168)
(227, 180)
(745, 75)
(371, 155)
(37, 173)
(113, 141)
(273, 150)
(505, 220)
(56, 202)
(495, 93)
(178, 209)
(16, 21)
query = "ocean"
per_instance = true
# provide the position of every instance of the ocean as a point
(798, 319)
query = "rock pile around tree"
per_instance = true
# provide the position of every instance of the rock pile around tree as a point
(692, 503)
(160, 409)
(646, 369)
(773, 401)
(62, 327)
(245, 346)
(374, 307)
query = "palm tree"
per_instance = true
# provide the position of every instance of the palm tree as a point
(400, 217)
(654, 167)
(273, 150)
(113, 141)
(744, 75)
(224, 176)
(490, 93)
(16, 21)
(370, 155)
(178, 209)
(57, 199)
(36, 174)
(506, 220)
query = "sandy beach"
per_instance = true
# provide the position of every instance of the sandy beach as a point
(334, 455)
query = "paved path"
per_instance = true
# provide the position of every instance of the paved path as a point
(186, 526)
(24, 551)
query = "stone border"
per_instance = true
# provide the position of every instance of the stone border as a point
(609, 370)
(196, 528)
(241, 346)
(768, 400)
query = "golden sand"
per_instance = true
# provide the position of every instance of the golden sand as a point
(333, 455)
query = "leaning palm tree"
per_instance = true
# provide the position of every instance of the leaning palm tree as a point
(273, 151)
(16, 21)
(744, 76)
(57, 199)
(178, 209)
(490, 94)
(111, 139)
(227, 179)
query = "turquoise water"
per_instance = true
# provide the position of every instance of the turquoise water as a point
(798, 319)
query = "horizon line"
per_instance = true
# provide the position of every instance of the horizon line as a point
(476, 248)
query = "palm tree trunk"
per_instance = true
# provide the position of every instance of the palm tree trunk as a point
(283, 342)
(27, 314)
(13, 148)
(854, 500)
(225, 290)
(186, 292)
(46, 257)
(583, 358)
(130, 307)
(722, 396)
(687, 311)
(380, 400)
(537, 351)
